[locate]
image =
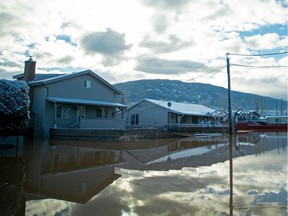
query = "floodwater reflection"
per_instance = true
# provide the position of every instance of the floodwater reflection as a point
(190, 176)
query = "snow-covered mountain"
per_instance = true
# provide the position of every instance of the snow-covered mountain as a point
(205, 94)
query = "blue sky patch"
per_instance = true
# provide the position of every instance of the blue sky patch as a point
(279, 29)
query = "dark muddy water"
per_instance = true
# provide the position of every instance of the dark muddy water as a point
(208, 174)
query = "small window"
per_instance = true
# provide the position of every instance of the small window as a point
(86, 84)
(134, 119)
(98, 112)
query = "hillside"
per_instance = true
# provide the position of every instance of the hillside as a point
(199, 93)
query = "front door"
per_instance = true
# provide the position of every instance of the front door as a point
(81, 113)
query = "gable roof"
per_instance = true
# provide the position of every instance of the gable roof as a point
(180, 108)
(38, 76)
(41, 79)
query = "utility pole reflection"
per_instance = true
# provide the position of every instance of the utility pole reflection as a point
(231, 140)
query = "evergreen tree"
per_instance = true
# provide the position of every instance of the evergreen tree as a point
(14, 105)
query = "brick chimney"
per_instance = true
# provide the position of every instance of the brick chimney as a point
(29, 70)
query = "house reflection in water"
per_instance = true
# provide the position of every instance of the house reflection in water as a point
(68, 173)
(202, 150)
(188, 175)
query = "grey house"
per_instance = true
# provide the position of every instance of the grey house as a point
(163, 114)
(76, 100)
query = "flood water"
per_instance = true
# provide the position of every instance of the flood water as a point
(204, 174)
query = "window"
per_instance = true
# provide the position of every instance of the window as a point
(134, 119)
(106, 112)
(86, 84)
(98, 112)
(63, 111)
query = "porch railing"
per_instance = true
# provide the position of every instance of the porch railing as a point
(101, 123)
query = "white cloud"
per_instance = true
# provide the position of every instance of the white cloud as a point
(47, 207)
(164, 66)
(115, 35)
(268, 41)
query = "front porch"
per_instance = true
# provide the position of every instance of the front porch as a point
(73, 113)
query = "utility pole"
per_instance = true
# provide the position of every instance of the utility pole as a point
(230, 136)
(229, 95)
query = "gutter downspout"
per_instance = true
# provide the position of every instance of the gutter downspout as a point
(55, 106)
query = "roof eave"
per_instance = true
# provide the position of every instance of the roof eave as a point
(84, 102)
(67, 76)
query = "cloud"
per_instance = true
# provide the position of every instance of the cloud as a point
(47, 207)
(53, 51)
(110, 196)
(11, 64)
(66, 59)
(221, 10)
(265, 42)
(160, 23)
(83, 34)
(10, 68)
(8, 75)
(171, 44)
(6, 19)
(164, 66)
(108, 43)
(166, 4)
(252, 83)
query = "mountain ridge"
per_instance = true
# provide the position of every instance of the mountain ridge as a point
(198, 93)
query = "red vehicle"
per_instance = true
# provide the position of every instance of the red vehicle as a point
(259, 126)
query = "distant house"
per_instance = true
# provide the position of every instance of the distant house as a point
(163, 114)
(78, 100)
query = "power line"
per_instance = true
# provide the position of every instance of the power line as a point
(202, 65)
(263, 54)
(260, 66)
(208, 74)
(220, 69)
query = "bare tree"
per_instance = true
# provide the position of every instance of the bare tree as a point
(223, 102)
(259, 104)
(282, 107)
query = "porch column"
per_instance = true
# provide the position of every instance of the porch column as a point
(55, 115)
(122, 113)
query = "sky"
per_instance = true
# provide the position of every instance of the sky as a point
(128, 40)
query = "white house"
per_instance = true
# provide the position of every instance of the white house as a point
(161, 114)
(78, 100)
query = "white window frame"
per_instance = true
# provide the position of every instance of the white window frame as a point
(134, 119)
(86, 83)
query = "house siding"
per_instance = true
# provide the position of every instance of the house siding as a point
(45, 111)
(72, 88)
(155, 113)
(150, 115)
(39, 101)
